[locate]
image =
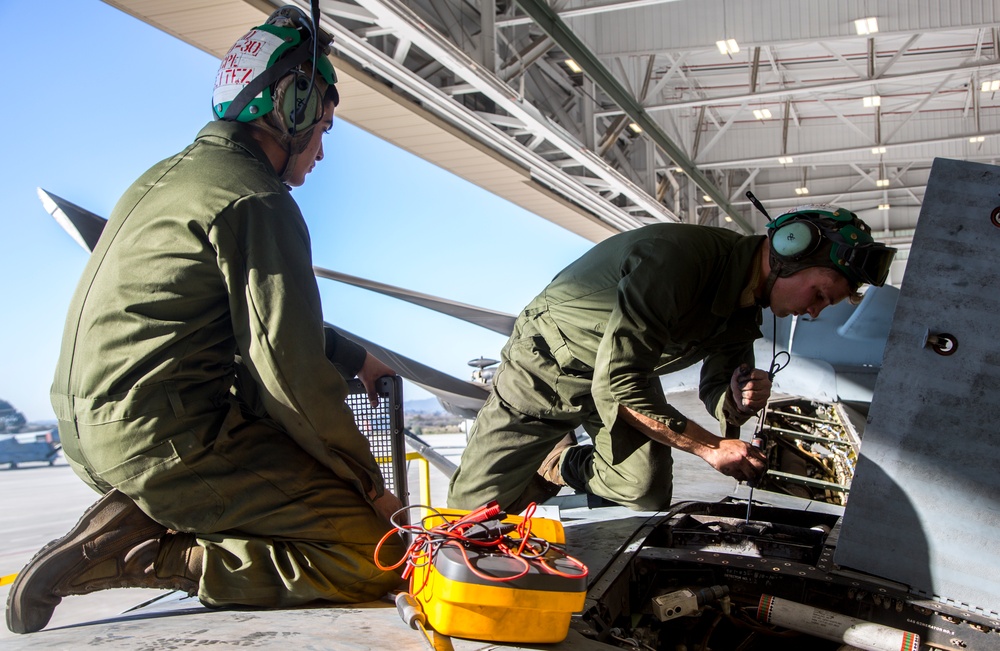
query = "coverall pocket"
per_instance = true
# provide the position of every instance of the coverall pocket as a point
(529, 380)
(166, 488)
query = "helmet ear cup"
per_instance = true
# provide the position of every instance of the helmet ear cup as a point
(795, 239)
(297, 108)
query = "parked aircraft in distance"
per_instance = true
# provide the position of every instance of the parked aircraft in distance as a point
(24, 442)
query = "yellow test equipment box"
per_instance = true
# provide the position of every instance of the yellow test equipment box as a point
(468, 591)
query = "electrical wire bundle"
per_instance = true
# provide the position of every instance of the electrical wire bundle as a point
(480, 532)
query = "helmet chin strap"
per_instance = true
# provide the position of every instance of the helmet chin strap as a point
(294, 145)
(772, 277)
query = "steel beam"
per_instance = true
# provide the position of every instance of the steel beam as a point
(552, 25)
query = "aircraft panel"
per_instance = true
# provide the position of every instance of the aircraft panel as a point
(925, 504)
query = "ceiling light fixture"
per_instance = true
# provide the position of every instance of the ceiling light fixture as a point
(634, 127)
(801, 191)
(883, 206)
(881, 183)
(707, 198)
(878, 150)
(762, 114)
(871, 101)
(991, 86)
(977, 139)
(728, 46)
(866, 26)
(573, 66)
(784, 160)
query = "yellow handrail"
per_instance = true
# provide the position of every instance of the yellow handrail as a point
(423, 477)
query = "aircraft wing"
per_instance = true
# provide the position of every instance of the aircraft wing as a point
(83, 226)
(459, 397)
(498, 322)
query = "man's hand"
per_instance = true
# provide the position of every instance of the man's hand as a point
(736, 459)
(731, 457)
(370, 372)
(751, 389)
(386, 505)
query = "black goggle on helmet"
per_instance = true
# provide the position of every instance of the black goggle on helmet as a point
(828, 236)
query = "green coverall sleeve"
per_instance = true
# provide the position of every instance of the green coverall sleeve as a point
(264, 255)
(345, 354)
(657, 286)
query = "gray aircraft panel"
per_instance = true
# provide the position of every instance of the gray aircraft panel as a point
(925, 503)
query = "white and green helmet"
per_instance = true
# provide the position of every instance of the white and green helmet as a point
(251, 70)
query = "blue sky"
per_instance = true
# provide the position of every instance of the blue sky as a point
(94, 97)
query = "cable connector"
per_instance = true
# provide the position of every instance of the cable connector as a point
(489, 530)
(686, 602)
(490, 511)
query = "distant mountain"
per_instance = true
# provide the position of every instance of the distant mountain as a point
(425, 406)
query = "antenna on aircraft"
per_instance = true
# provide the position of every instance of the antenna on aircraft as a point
(483, 372)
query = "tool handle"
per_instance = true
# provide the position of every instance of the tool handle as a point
(410, 611)
(759, 441)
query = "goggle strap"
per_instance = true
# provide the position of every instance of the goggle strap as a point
(295, 58)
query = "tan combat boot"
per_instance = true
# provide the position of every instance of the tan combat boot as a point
(547, 482)
(114, 545)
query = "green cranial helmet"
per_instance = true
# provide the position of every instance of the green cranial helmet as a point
(267, 60)
(821, 235)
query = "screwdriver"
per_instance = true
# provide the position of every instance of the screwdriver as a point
(759, 441)
(413, 615)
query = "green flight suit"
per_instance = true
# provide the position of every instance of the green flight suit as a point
(638, 305)
(196, 377)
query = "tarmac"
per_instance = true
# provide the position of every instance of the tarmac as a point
(42, 502)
